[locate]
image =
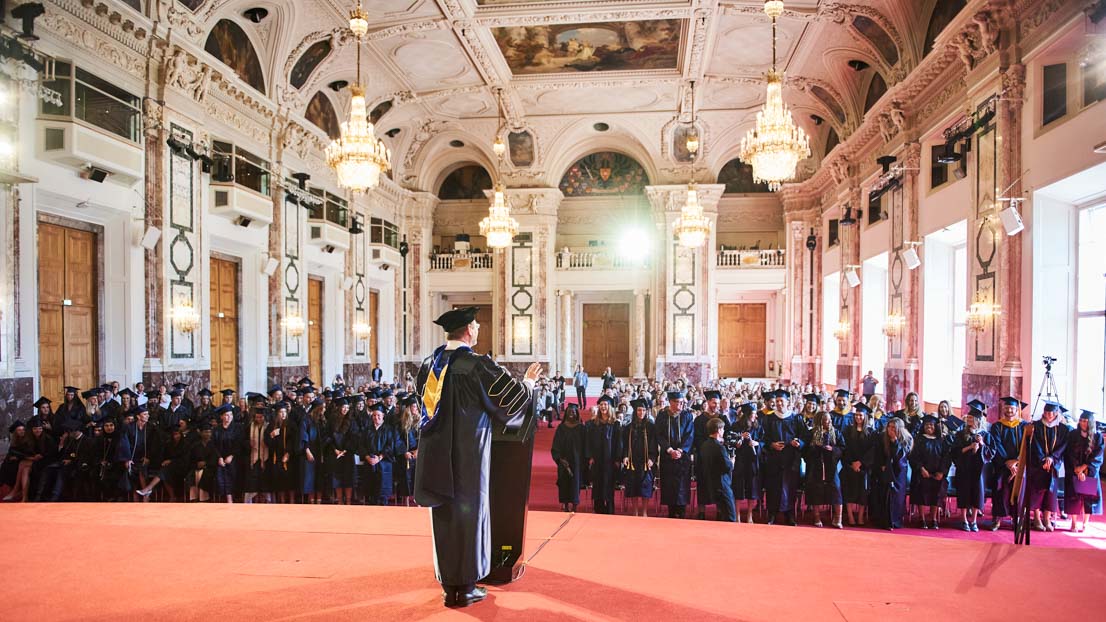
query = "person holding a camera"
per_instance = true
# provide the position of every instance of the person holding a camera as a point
(715, 487)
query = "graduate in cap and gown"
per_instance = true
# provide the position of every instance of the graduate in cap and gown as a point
(16, 470)
(825, 445)
(280, 438)
(78, 457)
(203, 460)
(342, 445)
(311, 451)
(783, 446)
(46, 414)
(859, 437)
(378, 454)
(929, 461)
(712, 401)
(948, 423)
(745, 480)
(114, 453)
(189, 405)
(407, 449)
(675, 431)
(568, 455)
(1006, 441)
(841, 415)
(463, 395)
(227, 439)
(256, 453)
(70, 412)
(639, 454)
(173, 414)
(603, 449)
(1082, 472)
(45, 482)
(971, 452)
(144, 444)
(890, 466)
(716, 466)
(1043, 465)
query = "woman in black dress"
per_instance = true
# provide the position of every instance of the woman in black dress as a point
(408, 452)
(859, 437)
(971, 451)
(341, 446)
(823, 457)
(639, 444)
(278, 436)
(929, 464)
(1082, 468)
(257, 458)
(890, 461)
(309, 452)
(604, 438)
(746, 463)
(568, 455)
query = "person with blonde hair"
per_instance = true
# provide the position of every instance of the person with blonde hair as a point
(823, 457)
(971, 451)
(891, 456)
(875, 406)
(856, 462)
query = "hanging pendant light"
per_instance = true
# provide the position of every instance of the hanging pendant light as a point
(775, 145)
(358, 157)
(498, 226)
(692, 227)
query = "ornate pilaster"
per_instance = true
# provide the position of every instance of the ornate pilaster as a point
(848, 363)
(637, 369)
(684, 293)
(413, 308)
(804, 288)
(903, 374)
(564, 330)
(154, 135)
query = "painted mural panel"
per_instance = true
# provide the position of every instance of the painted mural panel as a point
(229, 43)
(321, 112)
(600, 46)
(521, 147)
(380, 110)
(604, 173)
(878, 37)
(738, 177)
(192, 5)
(310, 60)
(465, 183)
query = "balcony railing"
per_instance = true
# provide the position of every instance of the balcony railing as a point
(571, 260)
(772, 258)
(465, 261)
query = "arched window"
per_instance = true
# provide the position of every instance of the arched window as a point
(738, 177)
(466, 183)
(943, 13)
(604, 173)
(876, 88)
(229, 43)
(320, 111)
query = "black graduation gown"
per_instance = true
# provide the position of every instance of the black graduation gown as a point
(1006, 444)
(568, 455)
(377, 482)
(228, 443)
(889, 483)
(78, 459)
(781, 468)
(1041, 485)
(342, 470)
(603, 449)
(177, 454)
(112, 452)
(971, 490)
(639, 444)
(282, 476)
(453, 469)
(403, 471)
(144, 446)
(1083, 450)
(68, 415)
(746, 467)
(716, 487)
(858, 445)
(45, 468)
(933, 455)
(309, 437)
(208, 456)
(675, 431)
(823, 486)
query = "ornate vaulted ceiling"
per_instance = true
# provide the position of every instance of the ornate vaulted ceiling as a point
(625, 63)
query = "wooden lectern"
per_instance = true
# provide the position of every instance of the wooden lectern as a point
(512, 457)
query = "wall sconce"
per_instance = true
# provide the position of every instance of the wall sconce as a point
(294, 325)
(361, 330)
(893, 325)
(841, 332)
(184, 317)
(981, 313)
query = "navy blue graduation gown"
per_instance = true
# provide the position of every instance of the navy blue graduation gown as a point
(675, 431)
(932, 455)
(971, 490)
(841, 420)
(855, 485)
(1083, 450)
(889, 483)
(603, 450)
(823, 486)
(716, 487)
(781, 467)
(639, 444)
(453, 469)
(381, 442)
(568, 455)
(745, 480)
(1006, 444)
(310, 437)
(403, 471)
(1042, 485)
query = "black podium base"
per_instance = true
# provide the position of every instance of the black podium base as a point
(509, 491)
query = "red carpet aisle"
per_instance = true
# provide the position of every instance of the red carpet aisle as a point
(206, 562)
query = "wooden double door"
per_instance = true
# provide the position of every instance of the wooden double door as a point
(606, 338)
(742, 339)
(315, 331)
(224, 324)
(68, 328)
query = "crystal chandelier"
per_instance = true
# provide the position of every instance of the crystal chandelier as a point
(775, 145)
(692, 227)
(841, 331)
(357, 156)
(498, 226)
(981, 313)
(893, 325)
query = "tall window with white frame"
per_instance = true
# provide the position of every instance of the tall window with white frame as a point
(831, 312)
(1090, 311)
(944, 336)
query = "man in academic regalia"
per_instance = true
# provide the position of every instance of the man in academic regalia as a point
(717, 469)
(675, 431)
(841, 415)
(710, 411)
(1006, 441)
(171, 417)
(783, 447)
(463, 394)
(188, 404)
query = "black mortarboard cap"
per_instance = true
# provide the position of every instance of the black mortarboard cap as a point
(252, 396)
(457, 318)
(87, 394)
(275, 388)
(639, 403)
(675, 395)
(15, 424)
(1086, 414)
(153, 395)
(34, 422)
(318, 401)
(841, 393)
(604, 398)
(1013, 401)
(1051, 405)
(862, 407)
(205, 392)
(180, 385)
(977, 405)
(306, 382)
(127, 391)
(813, 397)
(227, 392)
(410, 399)
(711, 394)
(176, 393)
(140, 409)
(41, 401)
(783, 393)
(72, 389)
(225, 408)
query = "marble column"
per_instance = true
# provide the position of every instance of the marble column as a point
(413, 312)
(994, 366)
(848, 362)
(803, 288)
(903, 373)
(564, 330)
(638, 367)
(155, 135)
(685, 286)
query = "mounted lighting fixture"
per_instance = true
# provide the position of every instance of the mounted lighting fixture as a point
(358, 156)
(981, 313)
(692, 227)
(775, 145)
(894, 324)
(841, 331)
(498, 226)
(361, 330)
(184, 317)
(693, 133)
(294, 325)
(499, 147)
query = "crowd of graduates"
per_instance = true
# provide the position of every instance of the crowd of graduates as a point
(742, 447)
(295, 445)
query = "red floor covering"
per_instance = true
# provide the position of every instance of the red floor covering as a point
(281, 562)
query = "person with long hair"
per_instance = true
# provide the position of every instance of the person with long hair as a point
(257, 456)
(603, 449)
(971, 451)
(17, 464)
(278, 436)
(877, 415)
(890, 461)
(949, 423)
(341, 446)
(70, 413)
(1082, 468)
(309, 452)
(929, 465)
(856, 458)
(227, 440)
(911, 412)
(568, 455)
(823, 457)
(1044, 458)
(144, 444)
(407, 453)
(1006, 440)
(639, 454)
(745, 480)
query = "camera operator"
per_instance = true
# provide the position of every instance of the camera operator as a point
(717, 467)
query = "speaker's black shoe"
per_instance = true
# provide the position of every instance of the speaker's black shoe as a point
(464, 598)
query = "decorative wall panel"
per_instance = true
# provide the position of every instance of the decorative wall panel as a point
(183, 243)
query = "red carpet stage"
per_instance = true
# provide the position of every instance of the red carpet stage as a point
(294, 562)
